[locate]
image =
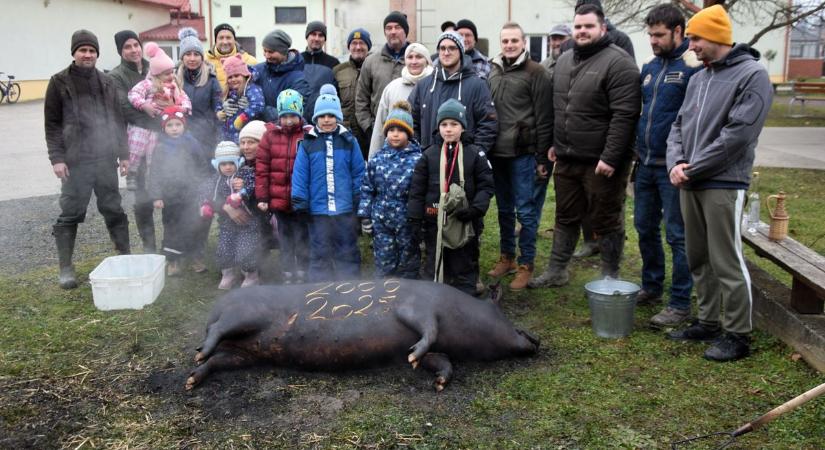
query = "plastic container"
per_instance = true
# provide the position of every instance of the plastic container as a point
(612, 306)
(127, 281)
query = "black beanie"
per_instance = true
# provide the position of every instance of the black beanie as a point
(597, 3)
(316, 25)
(466, 23)
(122, 36)
(84, 37)
(399, 18)
(224, 26)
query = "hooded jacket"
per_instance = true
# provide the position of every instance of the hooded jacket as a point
(717, 128)
(274, 78)
(465, 86)
(596, 101)
(386, 185)
(376, 73)
(275, 162)
(664, 83)
(523, 95)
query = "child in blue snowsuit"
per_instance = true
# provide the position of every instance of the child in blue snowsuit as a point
(243, 101)
(326, 182)
(239, 232)
(384, 194)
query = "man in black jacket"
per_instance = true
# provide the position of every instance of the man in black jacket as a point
(596, 100)
(86, 137)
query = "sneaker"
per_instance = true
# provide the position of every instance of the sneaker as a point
(506, 265)
(670, 317)
(696, 332)
(131, 182)
(729, 347)
(198, 266)
(173, 269)
(523, 275)
(645, 298)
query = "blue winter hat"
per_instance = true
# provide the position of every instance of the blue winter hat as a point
(452, 109)
(328, 103)
(189, 41)
(227, 151)
(290, 101)
(360, 33)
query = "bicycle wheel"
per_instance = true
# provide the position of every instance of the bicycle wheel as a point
(14, 92)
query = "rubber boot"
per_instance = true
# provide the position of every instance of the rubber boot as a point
(588, 248)
(250, 279)
(556, 274)
(611, 246)
(64, 237)
(119, 233)
(228, 279)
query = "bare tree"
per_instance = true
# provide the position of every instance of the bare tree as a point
(771, 14)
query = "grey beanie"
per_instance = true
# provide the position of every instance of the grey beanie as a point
(453, 36)
(84, 37)
(189, 41)
(316, 25)
(278, 41)
(452, 109)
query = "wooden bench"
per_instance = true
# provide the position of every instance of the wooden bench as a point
(805, 265)
(805, 92)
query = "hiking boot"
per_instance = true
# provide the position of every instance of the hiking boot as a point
(506, 265)
(670, 317)
(173, 269)
(696, 332)
(556, 273)
(611, 247)
(228, 278)
(588, 248)
(525, 271)
(198, 266)
(64, 237)
(645, 298)
(729, 347)
(250, 279)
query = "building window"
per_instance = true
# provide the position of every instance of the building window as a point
(290, 14)
(236, 11)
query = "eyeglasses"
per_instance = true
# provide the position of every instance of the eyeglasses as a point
(446, 49)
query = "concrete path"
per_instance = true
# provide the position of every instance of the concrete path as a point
(24, 161)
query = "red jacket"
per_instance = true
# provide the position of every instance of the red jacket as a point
(274, 164)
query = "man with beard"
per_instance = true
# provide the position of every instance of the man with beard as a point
(283, 69)
(596, 100)
(664, 81)
(558, 36)
(226, 46)
(346, 75)
(317, 63)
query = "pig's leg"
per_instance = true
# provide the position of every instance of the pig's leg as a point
(424, 324)
(223, 359)
(439, 364)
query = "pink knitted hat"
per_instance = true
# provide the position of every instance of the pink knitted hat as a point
(159, 61)
(234, 65)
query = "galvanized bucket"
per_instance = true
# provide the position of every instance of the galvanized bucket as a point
(612, 304)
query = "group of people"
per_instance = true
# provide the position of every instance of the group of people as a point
(409, 148)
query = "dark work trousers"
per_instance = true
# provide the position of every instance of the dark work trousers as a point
(99, 177)
(144, 211)
(179, 222)
(200, 235)
(333, 248)
(576, 184)
(460, 265)
(293, 239)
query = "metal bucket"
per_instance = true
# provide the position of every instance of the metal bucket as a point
(612, 304)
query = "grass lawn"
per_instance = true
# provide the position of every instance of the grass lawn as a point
(75, 377)
(814, 114)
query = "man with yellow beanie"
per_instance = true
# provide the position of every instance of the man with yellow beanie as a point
(710, 155)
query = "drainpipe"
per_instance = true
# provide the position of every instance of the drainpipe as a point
(787, 48)
(509, 10)
(209, 30)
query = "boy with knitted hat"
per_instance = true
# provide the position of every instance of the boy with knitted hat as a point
(326, 183)
(273, 184)
(170, 184)
(159, 90)
(243, 101)
(384, 194)
(239, 232)
(446, 166)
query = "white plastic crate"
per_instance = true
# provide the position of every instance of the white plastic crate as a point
(127, 281)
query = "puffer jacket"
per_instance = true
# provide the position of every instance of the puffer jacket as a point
(274, 164)
(718, 126)
(386, 186)
(465, 86)
(326, 179)
(214, 58)
(425, 188)
(376, 73)
(204, 91)
(523, 95)
(596, 102)
(255, 97)
(664, 83)
(274, 78)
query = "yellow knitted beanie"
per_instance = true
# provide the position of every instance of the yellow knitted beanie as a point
(712, 24)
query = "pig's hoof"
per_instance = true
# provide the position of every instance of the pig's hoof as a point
(439, 384)
(199, 357)
(190, 383)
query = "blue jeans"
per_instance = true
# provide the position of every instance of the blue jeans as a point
(515, 180)
(656, 199)
(333, 248)
(540, 191)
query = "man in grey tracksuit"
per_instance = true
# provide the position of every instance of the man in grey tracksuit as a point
(710, 155)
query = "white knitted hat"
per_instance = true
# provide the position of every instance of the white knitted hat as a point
(254, 130)
(227, 151)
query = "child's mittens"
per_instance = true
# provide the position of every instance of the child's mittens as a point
(230, 107)
(234, 200)
(243, 102)
(240, 121)
(206, 211)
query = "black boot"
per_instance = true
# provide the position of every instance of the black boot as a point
(119, 233)
(556, 274)
(611, 247)
(64, 236)
(729, 347)
(145, 222)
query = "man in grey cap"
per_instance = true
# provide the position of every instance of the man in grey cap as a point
(317, 64)
(558, 35)
(86, 139)
(283, 69)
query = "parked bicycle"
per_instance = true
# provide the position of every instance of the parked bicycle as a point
(10, 90)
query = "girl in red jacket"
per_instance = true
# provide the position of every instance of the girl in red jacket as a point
(273, 184)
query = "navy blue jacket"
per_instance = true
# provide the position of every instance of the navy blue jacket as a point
(274, 78)
(664, 83)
